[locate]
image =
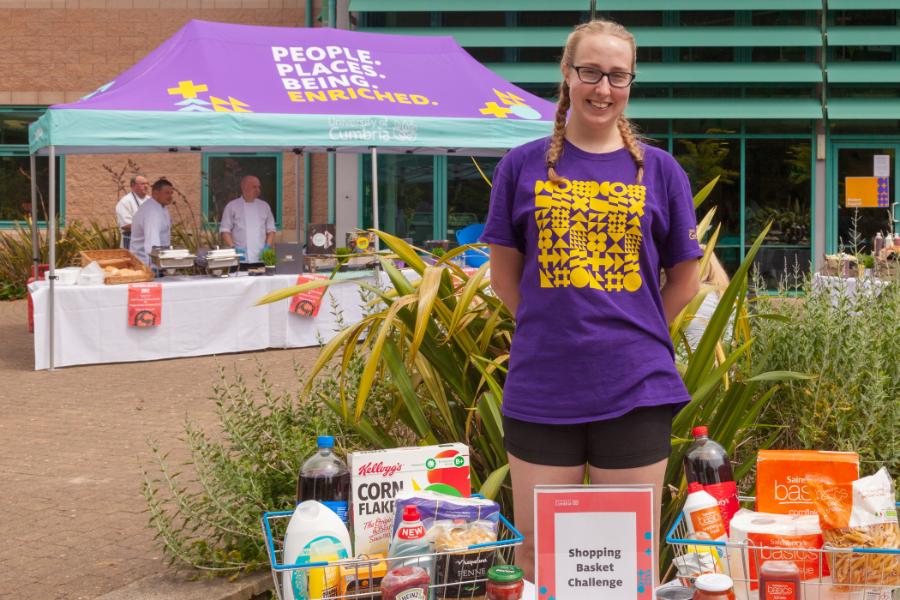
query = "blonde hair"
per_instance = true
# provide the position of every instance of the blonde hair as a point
(715, 275)
(627, 130)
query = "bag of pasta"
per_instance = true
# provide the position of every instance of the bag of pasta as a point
(860, 515)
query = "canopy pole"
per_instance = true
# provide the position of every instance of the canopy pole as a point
(51, 226)
(375, 224)
(297, 195)
(35, 237)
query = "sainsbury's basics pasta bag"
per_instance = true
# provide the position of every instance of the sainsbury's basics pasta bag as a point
(862, 514)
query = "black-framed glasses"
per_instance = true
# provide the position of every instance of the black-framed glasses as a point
(593, 75)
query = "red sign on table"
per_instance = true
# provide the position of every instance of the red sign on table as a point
(144, 305)
(594, 542)
(307, 303)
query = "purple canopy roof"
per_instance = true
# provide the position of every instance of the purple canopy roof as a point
(219, 67)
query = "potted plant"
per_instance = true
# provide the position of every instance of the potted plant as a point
(268, 258)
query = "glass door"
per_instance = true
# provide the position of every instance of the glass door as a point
(865, 182)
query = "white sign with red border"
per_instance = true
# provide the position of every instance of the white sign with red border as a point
(594, 542)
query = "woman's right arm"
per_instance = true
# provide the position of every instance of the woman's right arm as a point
(506, 273)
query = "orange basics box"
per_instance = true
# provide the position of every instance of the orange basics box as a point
(781, 476)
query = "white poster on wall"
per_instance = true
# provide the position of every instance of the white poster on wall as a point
(881, 165)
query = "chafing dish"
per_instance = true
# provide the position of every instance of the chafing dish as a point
(218, 262)
(169, 260)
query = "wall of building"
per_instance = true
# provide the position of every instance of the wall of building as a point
(55, 51)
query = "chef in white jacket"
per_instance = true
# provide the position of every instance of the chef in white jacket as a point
(247, 222)
(152, 225)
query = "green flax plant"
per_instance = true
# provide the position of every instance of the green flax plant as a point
(443, 339)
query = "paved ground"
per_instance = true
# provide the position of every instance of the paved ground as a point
(72, 522)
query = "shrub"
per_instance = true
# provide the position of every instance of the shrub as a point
(206, 512)
(852, 344)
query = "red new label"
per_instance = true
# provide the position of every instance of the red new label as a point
(411, 533)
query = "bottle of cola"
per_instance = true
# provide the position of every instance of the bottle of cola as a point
(706, 463)
(325, 477)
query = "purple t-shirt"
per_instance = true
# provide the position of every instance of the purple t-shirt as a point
(591, 339)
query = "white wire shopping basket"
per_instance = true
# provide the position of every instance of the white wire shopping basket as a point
(456, 574)
(873, 569)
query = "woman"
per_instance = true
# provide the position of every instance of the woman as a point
(579, 226)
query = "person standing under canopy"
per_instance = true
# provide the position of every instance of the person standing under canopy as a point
(129, 204)
(152, 225)
(247, 222)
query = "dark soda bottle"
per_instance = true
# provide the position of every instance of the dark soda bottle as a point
(325, 477)
(706, 463)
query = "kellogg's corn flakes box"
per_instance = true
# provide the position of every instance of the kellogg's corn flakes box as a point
(376, 476)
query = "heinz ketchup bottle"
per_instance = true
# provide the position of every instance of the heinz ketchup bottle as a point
(706, 463)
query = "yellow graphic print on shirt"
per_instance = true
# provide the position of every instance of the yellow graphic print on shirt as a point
(589, 234)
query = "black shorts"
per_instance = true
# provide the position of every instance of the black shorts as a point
(636, 439)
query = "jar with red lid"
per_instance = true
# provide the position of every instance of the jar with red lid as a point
(714, 586)
(408, 583)
(505, 582)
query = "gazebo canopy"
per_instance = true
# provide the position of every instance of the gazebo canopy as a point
(217, 86)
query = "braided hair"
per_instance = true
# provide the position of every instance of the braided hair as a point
(629, 134)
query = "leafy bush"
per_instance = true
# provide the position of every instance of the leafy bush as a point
(852, 344)
(206, 512)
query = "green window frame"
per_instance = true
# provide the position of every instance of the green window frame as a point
(279, 183)
(741, 137)
(21, 151)
(835, 143)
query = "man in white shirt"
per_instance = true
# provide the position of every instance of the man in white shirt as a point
(129, 204)
(247, 222)
(152, 225)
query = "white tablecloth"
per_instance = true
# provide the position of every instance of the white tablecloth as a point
(200, 316)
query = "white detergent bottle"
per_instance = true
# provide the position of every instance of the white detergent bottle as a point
(701, 513)
(314, 534)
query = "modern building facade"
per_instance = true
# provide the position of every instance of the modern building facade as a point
(783, 100)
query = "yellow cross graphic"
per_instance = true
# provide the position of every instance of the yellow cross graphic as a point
(492, 108)
(230, 105)
(187, 89)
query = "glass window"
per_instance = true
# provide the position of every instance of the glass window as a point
(15, 187)
(864, 91)
(540, 55)
(702, 54)
(778, 176)
(857, 225)
(14, 126)
(405, 195)
(641, 18)
(706, 125)
(778, 54)
(863, 126)
(480, 19)
(777, 126)
(224, 181)
(705, 159)
(706, 18)
(652, 126)
(862, 53)
(468, 193)
(639, 90)
(488, 55)
(395, 19)
(857, 18)
(781, 91)
(551, 18)
(783, 18)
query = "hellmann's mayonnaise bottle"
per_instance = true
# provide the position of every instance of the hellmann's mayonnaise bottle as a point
(701, 513)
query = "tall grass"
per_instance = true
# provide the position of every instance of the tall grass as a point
(851, 342)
